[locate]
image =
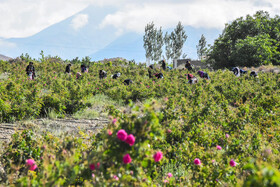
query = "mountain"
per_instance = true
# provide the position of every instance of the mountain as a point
(128, 46)
(63, 40)
(4, 58)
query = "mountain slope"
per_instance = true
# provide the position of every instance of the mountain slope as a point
(63, 40)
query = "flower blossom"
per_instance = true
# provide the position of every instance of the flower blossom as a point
(219, 147)
(109, 132)
(127, 159)
(169, 175)
(158, 156)
(92, 167)
(232, 163)
(130, 140)
(122, 135)
(197, 162)
(31, 164)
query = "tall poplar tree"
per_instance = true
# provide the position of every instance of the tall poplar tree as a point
(201, 47)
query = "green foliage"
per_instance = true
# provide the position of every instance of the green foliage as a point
(262, 175)
(175, 41)
(231, 48)
(255, 51)
(182, 121)
(153, 42)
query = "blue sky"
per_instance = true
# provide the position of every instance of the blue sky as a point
(23, 18)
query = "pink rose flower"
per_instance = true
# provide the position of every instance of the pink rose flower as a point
(109, 132)
(169, 130)
(219, 147)
(126, 159)
(158, 156)
(32, 168)
(227, 135)
(114, 121)
(122, 135)
(97, 165)
(165, 181)
(92, 167)
(232, 163)
(130, 140)
(197, 162)
(169, 175)
(115, 177)
(31, 164)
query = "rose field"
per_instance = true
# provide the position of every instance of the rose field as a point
(161, 132)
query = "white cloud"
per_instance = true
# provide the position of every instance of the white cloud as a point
(24, 18)
(199, 13)
(79, 21)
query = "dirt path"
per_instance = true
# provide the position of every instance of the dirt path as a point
(55, 126)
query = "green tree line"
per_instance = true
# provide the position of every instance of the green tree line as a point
(247, 41)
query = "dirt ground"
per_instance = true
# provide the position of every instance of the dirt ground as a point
(55, 126)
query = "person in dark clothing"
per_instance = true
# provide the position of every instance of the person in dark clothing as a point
(116, 75)
(163, 64)
(68, 68)
(159, 75)
(84, 69)
(188, 65)
(127, 81)
(102, 74)
(243, 71)
(30, 71)
(203, 74)
(150, 71)
(253, 74)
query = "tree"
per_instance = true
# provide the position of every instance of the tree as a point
(254, 51)
(42, 56)
(157, 45)
(224, 51)
(178, 37)
(201, 47)
(168, 46)
(149, 38)
(153, 42)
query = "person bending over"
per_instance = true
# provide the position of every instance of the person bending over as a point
(127, 82)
